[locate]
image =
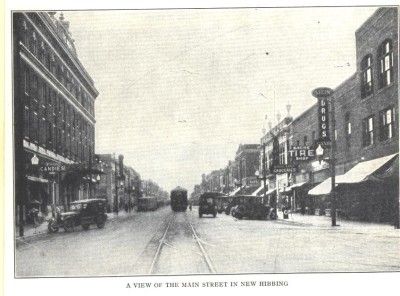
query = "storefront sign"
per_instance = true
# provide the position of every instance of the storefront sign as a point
(282, 169)
(322, 95)
(52, 168)
(301, 153)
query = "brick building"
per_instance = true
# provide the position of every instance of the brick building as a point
(54, 116)
(366, 134)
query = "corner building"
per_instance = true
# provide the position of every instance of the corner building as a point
(54, 119)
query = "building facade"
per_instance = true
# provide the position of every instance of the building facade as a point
(54, 117)
(366, 121)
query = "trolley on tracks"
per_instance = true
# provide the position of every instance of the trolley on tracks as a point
(147, 203)
(179, 199)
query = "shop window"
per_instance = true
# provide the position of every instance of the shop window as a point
(366, 76)
(368, 131)
(385, 53)
(387, 120)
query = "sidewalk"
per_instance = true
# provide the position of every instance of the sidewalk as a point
(343, 225)
(31, 231)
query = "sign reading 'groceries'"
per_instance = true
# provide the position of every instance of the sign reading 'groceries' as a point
(322, 95)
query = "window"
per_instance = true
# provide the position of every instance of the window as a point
(347, 128)
(348, 124)
(314, 135)
(387, 119)
(305, 140)
(33, 44)
(385, 54)
(282, 153)
(26, 81)
(366, 76)
(368, 131)
(298, 143)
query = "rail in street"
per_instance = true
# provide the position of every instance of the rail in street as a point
(180, 245)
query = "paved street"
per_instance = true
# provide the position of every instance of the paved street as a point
(131, 245)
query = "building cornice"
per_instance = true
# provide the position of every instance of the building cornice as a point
(46, 21)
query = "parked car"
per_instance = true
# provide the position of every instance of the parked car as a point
(250, 207)
(82, 212)
(207, 204)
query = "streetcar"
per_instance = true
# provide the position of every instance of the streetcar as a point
(147, 203)
(179, 199)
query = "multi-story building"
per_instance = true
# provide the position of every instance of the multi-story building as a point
(54, 116)
(247, 162)
(366, 135)
(274, 152)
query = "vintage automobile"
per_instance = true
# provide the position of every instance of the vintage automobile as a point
(207, 204)
(82, 212)
(250, 207)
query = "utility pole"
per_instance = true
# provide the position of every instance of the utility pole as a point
(264, 172)
(326, 109)
(116, 185)
(333, 162)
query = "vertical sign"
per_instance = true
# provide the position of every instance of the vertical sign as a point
(322, 95)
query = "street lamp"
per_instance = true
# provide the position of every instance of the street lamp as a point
(35, 160)
(319, 152)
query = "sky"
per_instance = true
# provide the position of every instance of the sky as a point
(181, 89)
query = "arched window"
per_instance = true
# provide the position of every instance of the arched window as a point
(385, 55)
(366, 76)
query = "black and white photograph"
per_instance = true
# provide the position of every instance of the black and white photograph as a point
(204, 141)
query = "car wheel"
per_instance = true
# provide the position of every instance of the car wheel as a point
(100, 222)
(52, 227)
(69, 225)
(85, 226)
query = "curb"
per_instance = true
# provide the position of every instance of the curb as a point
(40, 234)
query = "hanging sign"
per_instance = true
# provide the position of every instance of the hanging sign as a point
(322, 94)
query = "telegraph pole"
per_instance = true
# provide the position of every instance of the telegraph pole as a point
(333, 163)
(326, 109)
(264, 173)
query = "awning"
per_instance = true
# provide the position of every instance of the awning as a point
(258, 190)
(37, 179)
(235, 191)
(297, 185)
(261, 192)
(357, 174)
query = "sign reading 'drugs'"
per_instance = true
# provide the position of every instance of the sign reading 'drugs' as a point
(322, 95)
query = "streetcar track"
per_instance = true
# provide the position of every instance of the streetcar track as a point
(198, 240)
(160, 245)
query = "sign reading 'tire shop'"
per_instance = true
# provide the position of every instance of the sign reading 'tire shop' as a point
(301, 153)
(322, 94)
